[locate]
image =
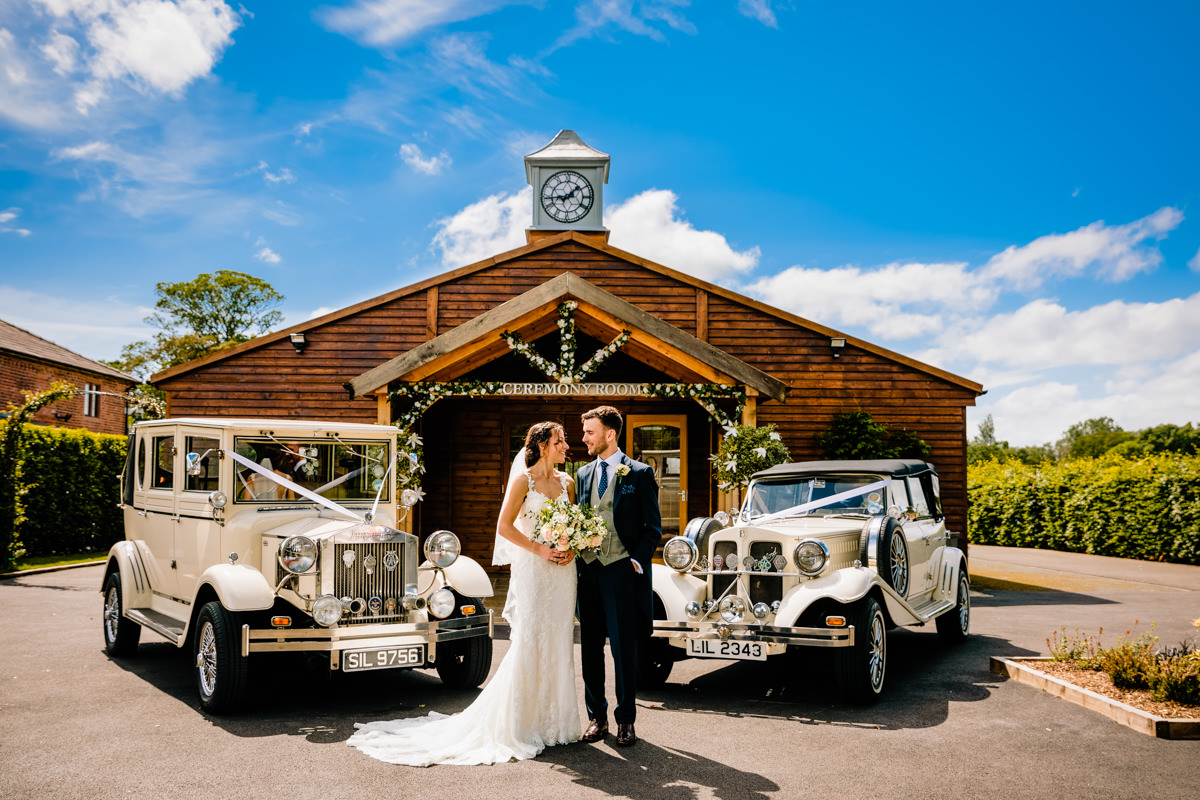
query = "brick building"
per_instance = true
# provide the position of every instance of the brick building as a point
(30, 363)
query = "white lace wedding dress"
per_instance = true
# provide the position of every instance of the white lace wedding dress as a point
(530, 703)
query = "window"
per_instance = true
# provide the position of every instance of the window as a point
(141, 464)
(919, 503)
(164, 462)
(338, 470)
(205, 450)
(91, 400)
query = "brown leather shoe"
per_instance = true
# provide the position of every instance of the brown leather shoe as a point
(625, 734)
(596, 730)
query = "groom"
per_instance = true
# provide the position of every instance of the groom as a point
(614, 583)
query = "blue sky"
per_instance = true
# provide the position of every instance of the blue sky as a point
(1006, 191)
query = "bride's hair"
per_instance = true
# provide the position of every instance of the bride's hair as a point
(538, 435)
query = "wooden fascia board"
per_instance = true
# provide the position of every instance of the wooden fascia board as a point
(708, 360)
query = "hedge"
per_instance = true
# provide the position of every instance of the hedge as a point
(72, 490)
(1146, 508)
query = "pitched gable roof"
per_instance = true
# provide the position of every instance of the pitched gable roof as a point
(588, 240)
(606, 308)
(23, 343)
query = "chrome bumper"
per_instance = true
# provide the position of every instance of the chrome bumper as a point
(754, 632)
(354, 637)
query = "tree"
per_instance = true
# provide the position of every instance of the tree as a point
(1091, 438)
(856, 435)
(986, 447)
(201, 316)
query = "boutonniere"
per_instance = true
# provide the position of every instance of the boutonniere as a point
(622, 470)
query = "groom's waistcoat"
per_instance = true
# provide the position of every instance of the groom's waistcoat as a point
(612, 548)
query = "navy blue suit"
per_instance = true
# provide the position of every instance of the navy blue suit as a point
(614, 601)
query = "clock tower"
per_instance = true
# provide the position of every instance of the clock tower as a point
(567, 178)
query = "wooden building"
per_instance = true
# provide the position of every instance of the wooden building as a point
(453, 344)
(29, 363)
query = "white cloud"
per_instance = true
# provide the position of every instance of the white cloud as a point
(649, 224)
(8, 216)
(282, 214)
(432, 165)
(1195, 262)
(1114, 252)
(97, 328)
(282, 176)
(390, 22)
(895, 301)
(493, 225)
(1044, 335)
(461, 59)
(597, 17)
(759, 10)
(267, 256)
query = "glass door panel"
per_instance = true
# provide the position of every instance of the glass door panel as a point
(661, 442)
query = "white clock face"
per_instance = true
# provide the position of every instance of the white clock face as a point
(567, 196)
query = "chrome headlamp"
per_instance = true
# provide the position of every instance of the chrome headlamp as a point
(298, 554)
(680, 553)
(733, 608)
(810, 557)
(693, 610)
(327, 610)
(441, 603)
(442, 548)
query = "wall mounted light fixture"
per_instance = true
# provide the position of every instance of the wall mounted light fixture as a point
(298, 341)
(838, 344)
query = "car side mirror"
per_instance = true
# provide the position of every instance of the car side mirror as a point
(194, 468)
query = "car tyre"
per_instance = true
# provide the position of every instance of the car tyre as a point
(464, 663)
(222, 672)
(955, 625)
(121, 634)
(891, 552)
(655, 663)
(861, 668)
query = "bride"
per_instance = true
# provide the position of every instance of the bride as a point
(531, 702)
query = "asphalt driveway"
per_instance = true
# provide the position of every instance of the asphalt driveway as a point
(75, 723)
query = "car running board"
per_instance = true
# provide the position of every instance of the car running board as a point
(158, 622)
(921, 613)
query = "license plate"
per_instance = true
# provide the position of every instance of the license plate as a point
(409, 655)
(727, 648)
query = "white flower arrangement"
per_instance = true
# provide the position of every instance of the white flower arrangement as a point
(566, 526)
(622, 470)
(564, 370)
(744, 451)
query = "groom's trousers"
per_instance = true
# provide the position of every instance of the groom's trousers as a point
(608, 608)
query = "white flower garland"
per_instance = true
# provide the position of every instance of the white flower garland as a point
(564, 371)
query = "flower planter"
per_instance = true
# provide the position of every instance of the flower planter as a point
(1127, 715)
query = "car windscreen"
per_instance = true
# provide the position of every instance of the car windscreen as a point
(816, 494)
(339, 470)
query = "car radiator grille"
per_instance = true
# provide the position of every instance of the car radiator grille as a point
(374, 583)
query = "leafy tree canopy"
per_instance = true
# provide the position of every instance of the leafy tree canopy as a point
(201, 316)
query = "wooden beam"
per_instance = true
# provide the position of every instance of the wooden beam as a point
(431, 313)
(383, 408)
(750, 411)
(702, 315)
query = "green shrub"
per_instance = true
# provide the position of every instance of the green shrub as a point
(70, 490)
(1130, 663)
(1146, 508)
(1078, 648)
(1175, 677)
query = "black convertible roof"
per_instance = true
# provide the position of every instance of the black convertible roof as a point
(880, 466)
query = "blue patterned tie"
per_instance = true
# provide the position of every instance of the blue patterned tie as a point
(603, 478)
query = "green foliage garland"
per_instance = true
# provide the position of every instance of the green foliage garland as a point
(564, 370)
(744, 451)
(706, 394)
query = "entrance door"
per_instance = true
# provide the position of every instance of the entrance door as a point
(661, 442)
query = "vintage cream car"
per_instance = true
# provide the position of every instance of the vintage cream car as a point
(827, 554)
(247, 536)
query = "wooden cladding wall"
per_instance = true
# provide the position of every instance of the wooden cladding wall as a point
(275, 381)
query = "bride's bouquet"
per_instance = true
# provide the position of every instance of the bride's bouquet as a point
(565, 526)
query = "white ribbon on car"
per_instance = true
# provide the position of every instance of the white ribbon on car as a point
(824, 501)
(300, 490)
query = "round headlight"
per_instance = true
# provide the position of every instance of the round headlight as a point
(733, 608)
(298, 554)
(327, 610)
(722, 518)
(442, 548)
(761, 610)
(680, 553)
(409, 498)
(217, 499)
(693, 610)
(811, 556)
(441, 603)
